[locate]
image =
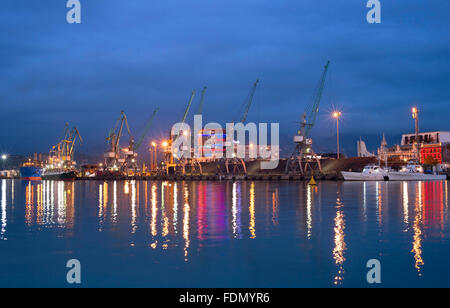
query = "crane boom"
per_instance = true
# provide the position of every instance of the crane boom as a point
(248, 101)
(119, 135)
(309, 118)
(146, 129)
(202, 99)
(74, 134)
(188, 107)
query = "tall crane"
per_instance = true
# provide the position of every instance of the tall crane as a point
(188, 107)
(303, 155)
(61, 154)
(248, 102)
(114, 158)
(238, 164)
(202, 99)
(170, 165)
(74, 134)
(146, 129)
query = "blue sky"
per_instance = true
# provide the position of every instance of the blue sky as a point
(138, 55)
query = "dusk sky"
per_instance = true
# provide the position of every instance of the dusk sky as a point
(139, 55)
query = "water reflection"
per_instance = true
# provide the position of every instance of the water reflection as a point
(236, 210)
(339, 241)
(186, 219)
(49, 203)
(405, 196)
(417, 242)
(252, 211)
(186, 211)
(3, 212)
(309, 202)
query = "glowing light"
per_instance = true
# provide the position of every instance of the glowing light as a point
(339, 242)
(309, 201)
(252, 211)
(154, 144)
(165, 144)
(4, 157)
(337, 114)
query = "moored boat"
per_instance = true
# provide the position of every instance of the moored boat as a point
(369, 173)
(413, 172)
(59, 174)
(31, 171)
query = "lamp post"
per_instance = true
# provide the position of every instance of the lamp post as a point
(154, 161)
(4, 158)
(415, 115)
(337, 115)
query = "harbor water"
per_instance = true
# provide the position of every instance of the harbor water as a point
(224, 234)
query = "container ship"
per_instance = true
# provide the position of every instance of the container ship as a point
(31, 171)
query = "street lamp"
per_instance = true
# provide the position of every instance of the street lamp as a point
(153, 156)
(4, 157)
(337, 115)
(415, 115)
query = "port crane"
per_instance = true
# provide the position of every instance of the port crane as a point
(195, 165)
(303, 157)
(235, 164)
(169, 154)
(62, 154)
(202, 100)
(146, 130)
(114, 158)
(131, 161)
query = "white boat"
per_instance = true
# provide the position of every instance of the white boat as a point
(369, 173)
(413, 172)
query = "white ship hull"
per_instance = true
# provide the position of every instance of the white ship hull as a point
(413, 176)
(359, 176)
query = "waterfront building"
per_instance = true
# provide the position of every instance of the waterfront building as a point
(434, 148)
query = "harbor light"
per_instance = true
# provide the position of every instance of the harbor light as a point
(337, 115)
(4, 157)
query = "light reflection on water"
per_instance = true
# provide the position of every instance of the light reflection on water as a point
(268, 228)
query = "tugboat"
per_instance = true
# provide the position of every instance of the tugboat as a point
(31, 171)
(369, 173)
(61, 165)
(413, 171)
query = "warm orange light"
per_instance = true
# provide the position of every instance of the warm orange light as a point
(337, 114)
(165, 144)
(154, 144)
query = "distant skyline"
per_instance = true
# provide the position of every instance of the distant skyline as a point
(139, 55)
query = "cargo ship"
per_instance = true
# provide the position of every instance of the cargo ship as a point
(58, 174)
(31, 172)
(60, 165)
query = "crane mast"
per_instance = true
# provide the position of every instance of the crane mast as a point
(304, 159)
(248, 102)
(146, 129)
(202, 99)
